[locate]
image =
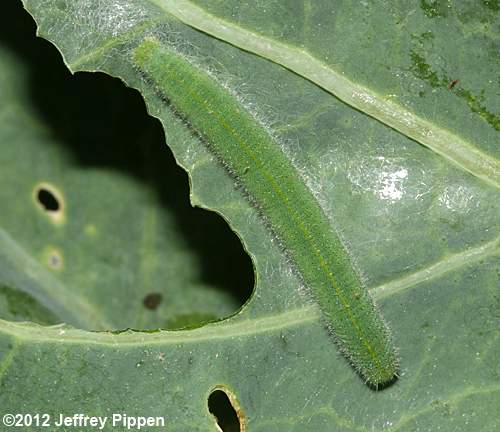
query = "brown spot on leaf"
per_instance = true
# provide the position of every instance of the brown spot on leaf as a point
(152, 300)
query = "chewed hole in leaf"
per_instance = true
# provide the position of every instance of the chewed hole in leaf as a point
(224, 407)
(123, 225)
(50, 201)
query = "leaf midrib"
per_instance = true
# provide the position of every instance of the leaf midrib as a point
(451, 147)
(237, 327)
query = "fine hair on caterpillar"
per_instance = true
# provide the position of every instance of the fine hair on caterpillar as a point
(274, 185)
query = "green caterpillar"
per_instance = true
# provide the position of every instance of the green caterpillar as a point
(248, 151)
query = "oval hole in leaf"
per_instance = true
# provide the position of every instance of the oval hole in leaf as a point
(48, 200)
(220, 405)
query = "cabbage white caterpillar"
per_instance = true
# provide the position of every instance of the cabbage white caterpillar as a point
(249, 153)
